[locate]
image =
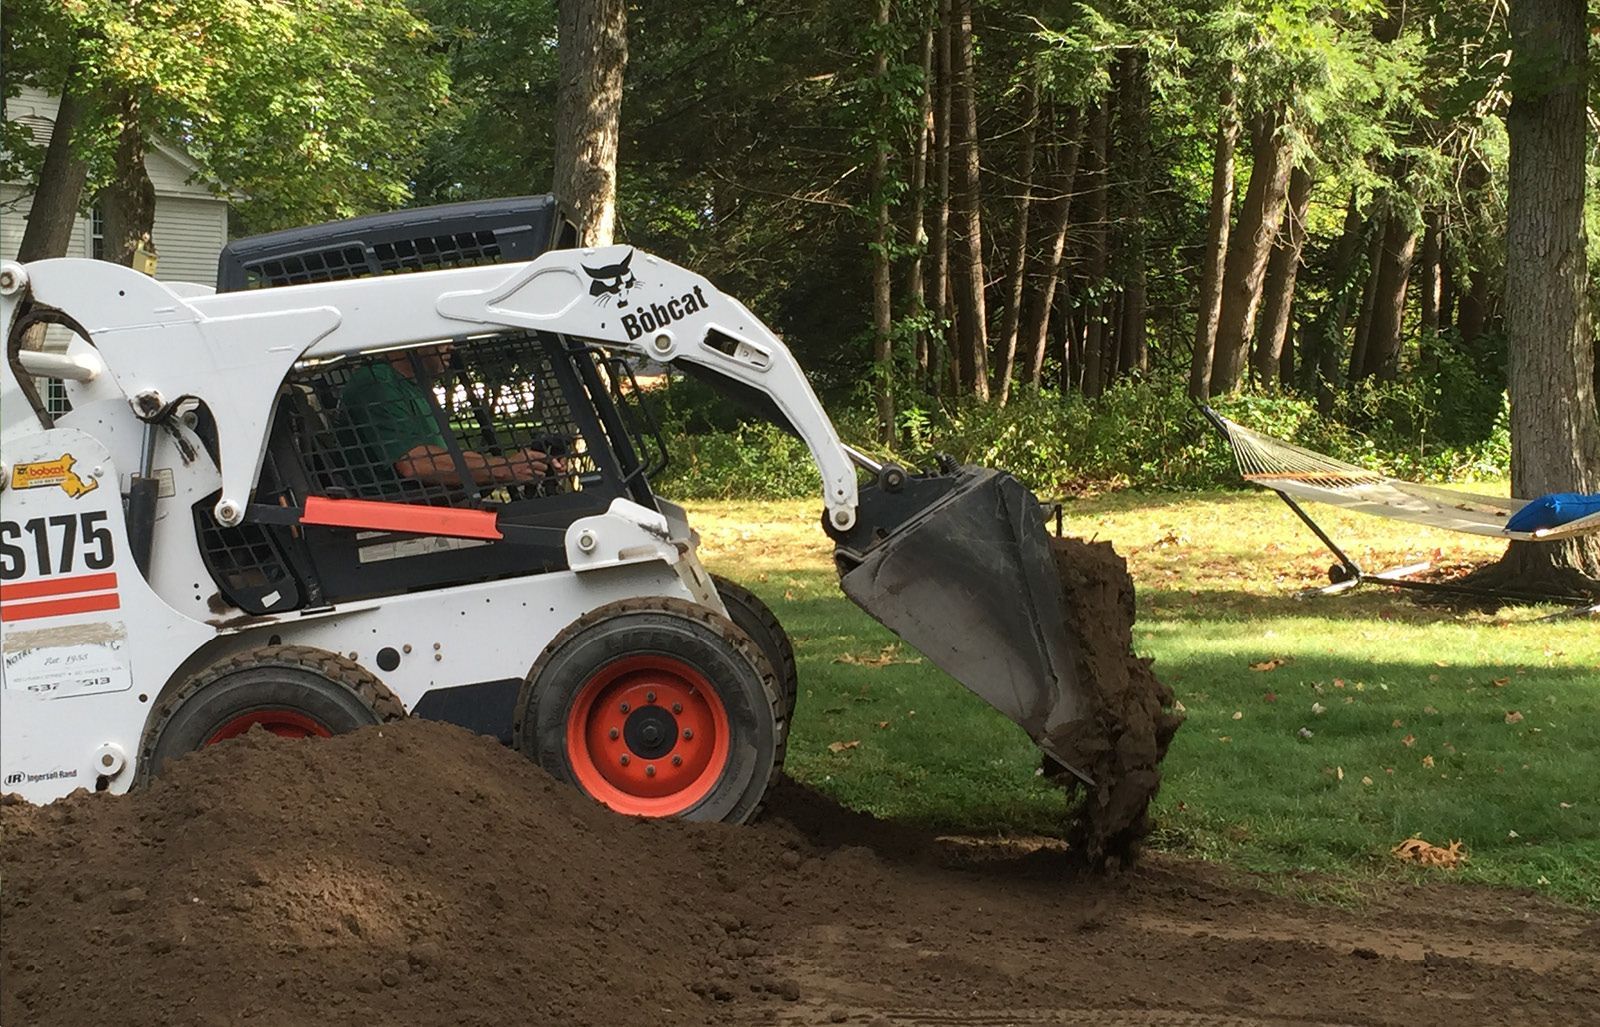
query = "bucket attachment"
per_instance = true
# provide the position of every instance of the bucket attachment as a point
(960, 566)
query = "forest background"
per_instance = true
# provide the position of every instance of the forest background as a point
(1025, 233)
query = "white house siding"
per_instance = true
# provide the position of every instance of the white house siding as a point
(188, 235)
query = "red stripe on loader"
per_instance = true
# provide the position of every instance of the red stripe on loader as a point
(58, 586)
(411, 518)
(60, 607)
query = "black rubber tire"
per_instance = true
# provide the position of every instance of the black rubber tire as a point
(702, 638)
(757, 620)
(335, 692)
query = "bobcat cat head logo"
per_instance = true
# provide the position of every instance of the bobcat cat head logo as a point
(612, 282)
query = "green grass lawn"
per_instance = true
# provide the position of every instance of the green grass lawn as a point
(1424, 721)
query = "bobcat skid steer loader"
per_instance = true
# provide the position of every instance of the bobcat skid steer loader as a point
(399, 465)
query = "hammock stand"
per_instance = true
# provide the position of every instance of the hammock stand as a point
(1287, 470)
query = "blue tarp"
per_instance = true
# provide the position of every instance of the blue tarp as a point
(1553, 510)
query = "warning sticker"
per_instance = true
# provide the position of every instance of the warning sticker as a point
(48, 473)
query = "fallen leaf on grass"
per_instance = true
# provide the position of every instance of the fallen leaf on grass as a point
(1238, 714)
(889, 654)
(1408, 741)
(1513, 717)
(1500, 682)
(842, 746)
(883, 725)
(1272, 664)
(1318, 709)
(1270, 697)
(1366, 780)
(1425, 853)
(1427, 761)
(1429, 709)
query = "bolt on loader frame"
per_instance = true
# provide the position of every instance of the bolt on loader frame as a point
(215, 535)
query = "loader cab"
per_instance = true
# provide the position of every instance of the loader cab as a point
(340, 424)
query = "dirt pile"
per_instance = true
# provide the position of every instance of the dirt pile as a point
(408, 874)
(413, 874)
(1123, 740)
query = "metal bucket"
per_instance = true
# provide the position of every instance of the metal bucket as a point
(960, 566)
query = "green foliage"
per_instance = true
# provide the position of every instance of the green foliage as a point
(305, 111)
(1143, 434)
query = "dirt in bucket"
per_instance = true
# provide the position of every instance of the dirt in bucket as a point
(1122, 740)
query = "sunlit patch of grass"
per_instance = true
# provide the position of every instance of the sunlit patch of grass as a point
(1422, 720)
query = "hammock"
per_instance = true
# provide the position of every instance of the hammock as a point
(1301, 473)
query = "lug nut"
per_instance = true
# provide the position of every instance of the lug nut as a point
(649, 697)
(625, 760)
(687, 734)
(677, 761)
(626, 707)
(649, 771)
(614, 734)
(677, 707)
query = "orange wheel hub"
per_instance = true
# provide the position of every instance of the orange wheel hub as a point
(648, 736)
(283, 723)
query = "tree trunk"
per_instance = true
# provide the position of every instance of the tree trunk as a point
(1037, 331)
(1011, 319)
(1555, 426)
(1447, 283)
(915, 278)
(972, 317)
(1389, 300)
(129, 198)
(1369, 295)
(1283, 268)
(1249, 249)
(1094, 248)
(1135, 132)
(592, 53)
(1336, 317)
(939, 244)
(1216, 252)
(54, 210)
(882, 300)
(1428, 279)
(1472, 309)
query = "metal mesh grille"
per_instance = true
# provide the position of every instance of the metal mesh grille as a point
(430, 253)
(245, 563)
(355, 260)
(479, 421)
(329, 265)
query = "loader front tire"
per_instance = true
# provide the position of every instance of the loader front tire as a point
(655, 707)
(288, 690)
(756, 619)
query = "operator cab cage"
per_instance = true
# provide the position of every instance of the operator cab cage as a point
(494, 395)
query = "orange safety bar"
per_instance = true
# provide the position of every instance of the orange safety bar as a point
(411, 518)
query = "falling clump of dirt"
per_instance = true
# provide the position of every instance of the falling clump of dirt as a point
(1121, 742)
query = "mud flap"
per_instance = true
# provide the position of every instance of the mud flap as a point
(968, 578)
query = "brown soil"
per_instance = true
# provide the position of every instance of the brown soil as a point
(1121, 742)
(415, 874)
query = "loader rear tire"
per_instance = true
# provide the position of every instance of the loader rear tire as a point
(655, 707)
(757, 620)
(289, 690)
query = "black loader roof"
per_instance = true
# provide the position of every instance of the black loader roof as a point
(497, 231)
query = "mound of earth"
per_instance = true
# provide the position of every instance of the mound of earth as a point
(414, 874)
(1122, 741)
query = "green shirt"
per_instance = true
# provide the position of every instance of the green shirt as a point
(383, 415)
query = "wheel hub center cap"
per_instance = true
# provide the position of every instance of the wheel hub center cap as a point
(651, 732)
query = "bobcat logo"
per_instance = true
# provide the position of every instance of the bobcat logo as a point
(612, 282)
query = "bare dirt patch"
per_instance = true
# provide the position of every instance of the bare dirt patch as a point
(416, 874)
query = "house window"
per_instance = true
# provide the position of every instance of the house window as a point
(97, 234)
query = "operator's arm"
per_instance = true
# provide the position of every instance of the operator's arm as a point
(433, 464)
